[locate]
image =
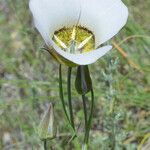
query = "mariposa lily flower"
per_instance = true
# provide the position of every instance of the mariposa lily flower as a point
(74, 30)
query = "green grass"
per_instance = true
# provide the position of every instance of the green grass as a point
(27, 86)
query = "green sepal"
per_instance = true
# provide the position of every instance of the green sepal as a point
(83, 82)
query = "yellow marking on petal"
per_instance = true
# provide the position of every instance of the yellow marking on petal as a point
(77, 34)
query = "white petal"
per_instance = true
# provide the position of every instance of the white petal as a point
(84, 58)
(51, 15)
(104, 17)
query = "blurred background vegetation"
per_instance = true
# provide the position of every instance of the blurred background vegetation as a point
(29, 81)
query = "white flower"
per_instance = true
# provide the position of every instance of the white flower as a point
(102, 19)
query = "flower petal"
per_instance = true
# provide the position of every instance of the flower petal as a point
(84, 58)
(104, 17)
(51, 15)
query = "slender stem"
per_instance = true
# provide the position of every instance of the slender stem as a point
(91, 114)
(69, 97)
(45, 144)
(61, 93)
(85, 117)
(89, 120)
(63, 102)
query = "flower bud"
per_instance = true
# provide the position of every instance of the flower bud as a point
(84, 147)
(45, 129)
(83, 82)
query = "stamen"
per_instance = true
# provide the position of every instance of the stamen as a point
(83, 43)
(73, 36)
(60, 42)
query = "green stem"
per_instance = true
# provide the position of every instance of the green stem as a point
(85, 117)
(61, 93)
(91, 114)
(69, 97)
(45, 144)
(63, 102)
(88, 122)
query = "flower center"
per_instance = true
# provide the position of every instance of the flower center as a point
(75, 39)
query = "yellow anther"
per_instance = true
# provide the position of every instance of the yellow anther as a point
(83, 43)
(73, 36)
(60, 42)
